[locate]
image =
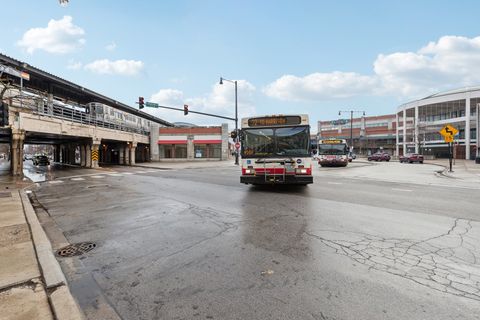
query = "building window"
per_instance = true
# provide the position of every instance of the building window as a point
(175, 151)
(180, 151)
(208, 150)
(168, 149)
(216, 150)
(201, 151)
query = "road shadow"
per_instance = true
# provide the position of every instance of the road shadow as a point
(281, 188)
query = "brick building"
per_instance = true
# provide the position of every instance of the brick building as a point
(370, 134)
(193, 143)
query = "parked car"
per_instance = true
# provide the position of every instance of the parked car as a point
(379, 156)
(411, 158)
(40, 160)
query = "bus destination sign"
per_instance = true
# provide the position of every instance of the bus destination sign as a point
(274, 121)
(332, 141)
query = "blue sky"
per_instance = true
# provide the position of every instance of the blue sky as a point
(312, 57)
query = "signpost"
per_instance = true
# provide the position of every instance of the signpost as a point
(448, 132)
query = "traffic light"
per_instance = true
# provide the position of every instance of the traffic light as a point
(185, 109)
(233, 135)
(141, 103)
(3, 114)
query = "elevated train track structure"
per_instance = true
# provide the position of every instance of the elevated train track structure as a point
(41, 108)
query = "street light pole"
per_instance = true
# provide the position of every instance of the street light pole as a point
(236, 114)
(351, 124)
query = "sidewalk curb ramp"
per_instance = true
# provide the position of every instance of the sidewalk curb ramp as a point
(61, 300)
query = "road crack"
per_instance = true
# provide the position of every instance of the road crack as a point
(446, 263)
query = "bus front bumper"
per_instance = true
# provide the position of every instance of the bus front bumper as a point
(270, 179)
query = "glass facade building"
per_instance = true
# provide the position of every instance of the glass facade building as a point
(419, 123)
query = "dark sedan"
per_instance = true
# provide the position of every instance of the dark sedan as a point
(411, 158)
(379, 156)
(40, 160)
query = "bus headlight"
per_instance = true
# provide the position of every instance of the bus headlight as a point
(249, 171)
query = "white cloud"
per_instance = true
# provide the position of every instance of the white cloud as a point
(220, 101)
(117, 67)
(60, 36)
(320, 86)
(111, 46)
(451, 62)
(168, 97)
(74, 65)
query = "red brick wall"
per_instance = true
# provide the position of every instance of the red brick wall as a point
(192, 130)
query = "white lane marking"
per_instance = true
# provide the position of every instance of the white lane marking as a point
(55, 181)
(401, 190)
(97, 177)
(330, 182)
(115, 174)
(140, 172)
(77, 179)
(127, 172)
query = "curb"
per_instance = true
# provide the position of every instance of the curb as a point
(61, 300)
(151, 167)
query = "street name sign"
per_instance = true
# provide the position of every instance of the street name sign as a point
(151, 104)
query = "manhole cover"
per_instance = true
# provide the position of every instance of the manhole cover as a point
(5, 194)
(76, 249)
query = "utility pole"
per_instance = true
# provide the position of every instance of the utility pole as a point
(351, 123)
(236, 115)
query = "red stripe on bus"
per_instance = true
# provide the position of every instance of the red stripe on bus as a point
(270, 170)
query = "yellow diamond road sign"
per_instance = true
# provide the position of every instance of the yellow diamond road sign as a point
(448, 131)
(448, 139)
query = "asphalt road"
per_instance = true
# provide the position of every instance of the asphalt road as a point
(196, 244)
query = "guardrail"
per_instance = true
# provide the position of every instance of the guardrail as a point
(79, 116)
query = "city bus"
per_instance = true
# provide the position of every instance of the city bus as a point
(276, 150)
(332, 152)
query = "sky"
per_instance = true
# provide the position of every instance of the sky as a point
(288, 57)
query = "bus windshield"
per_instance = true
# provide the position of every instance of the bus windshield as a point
(271, 142)
(332, 149)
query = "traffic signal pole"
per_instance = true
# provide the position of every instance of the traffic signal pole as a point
(190, 111)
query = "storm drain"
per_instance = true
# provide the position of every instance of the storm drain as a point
(5, 194)
(76, 249)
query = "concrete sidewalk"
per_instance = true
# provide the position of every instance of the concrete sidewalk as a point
(32, 285)
(462, 169)
(172, 165)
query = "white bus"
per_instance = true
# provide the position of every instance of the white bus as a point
(332, 152)
(276, 150)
